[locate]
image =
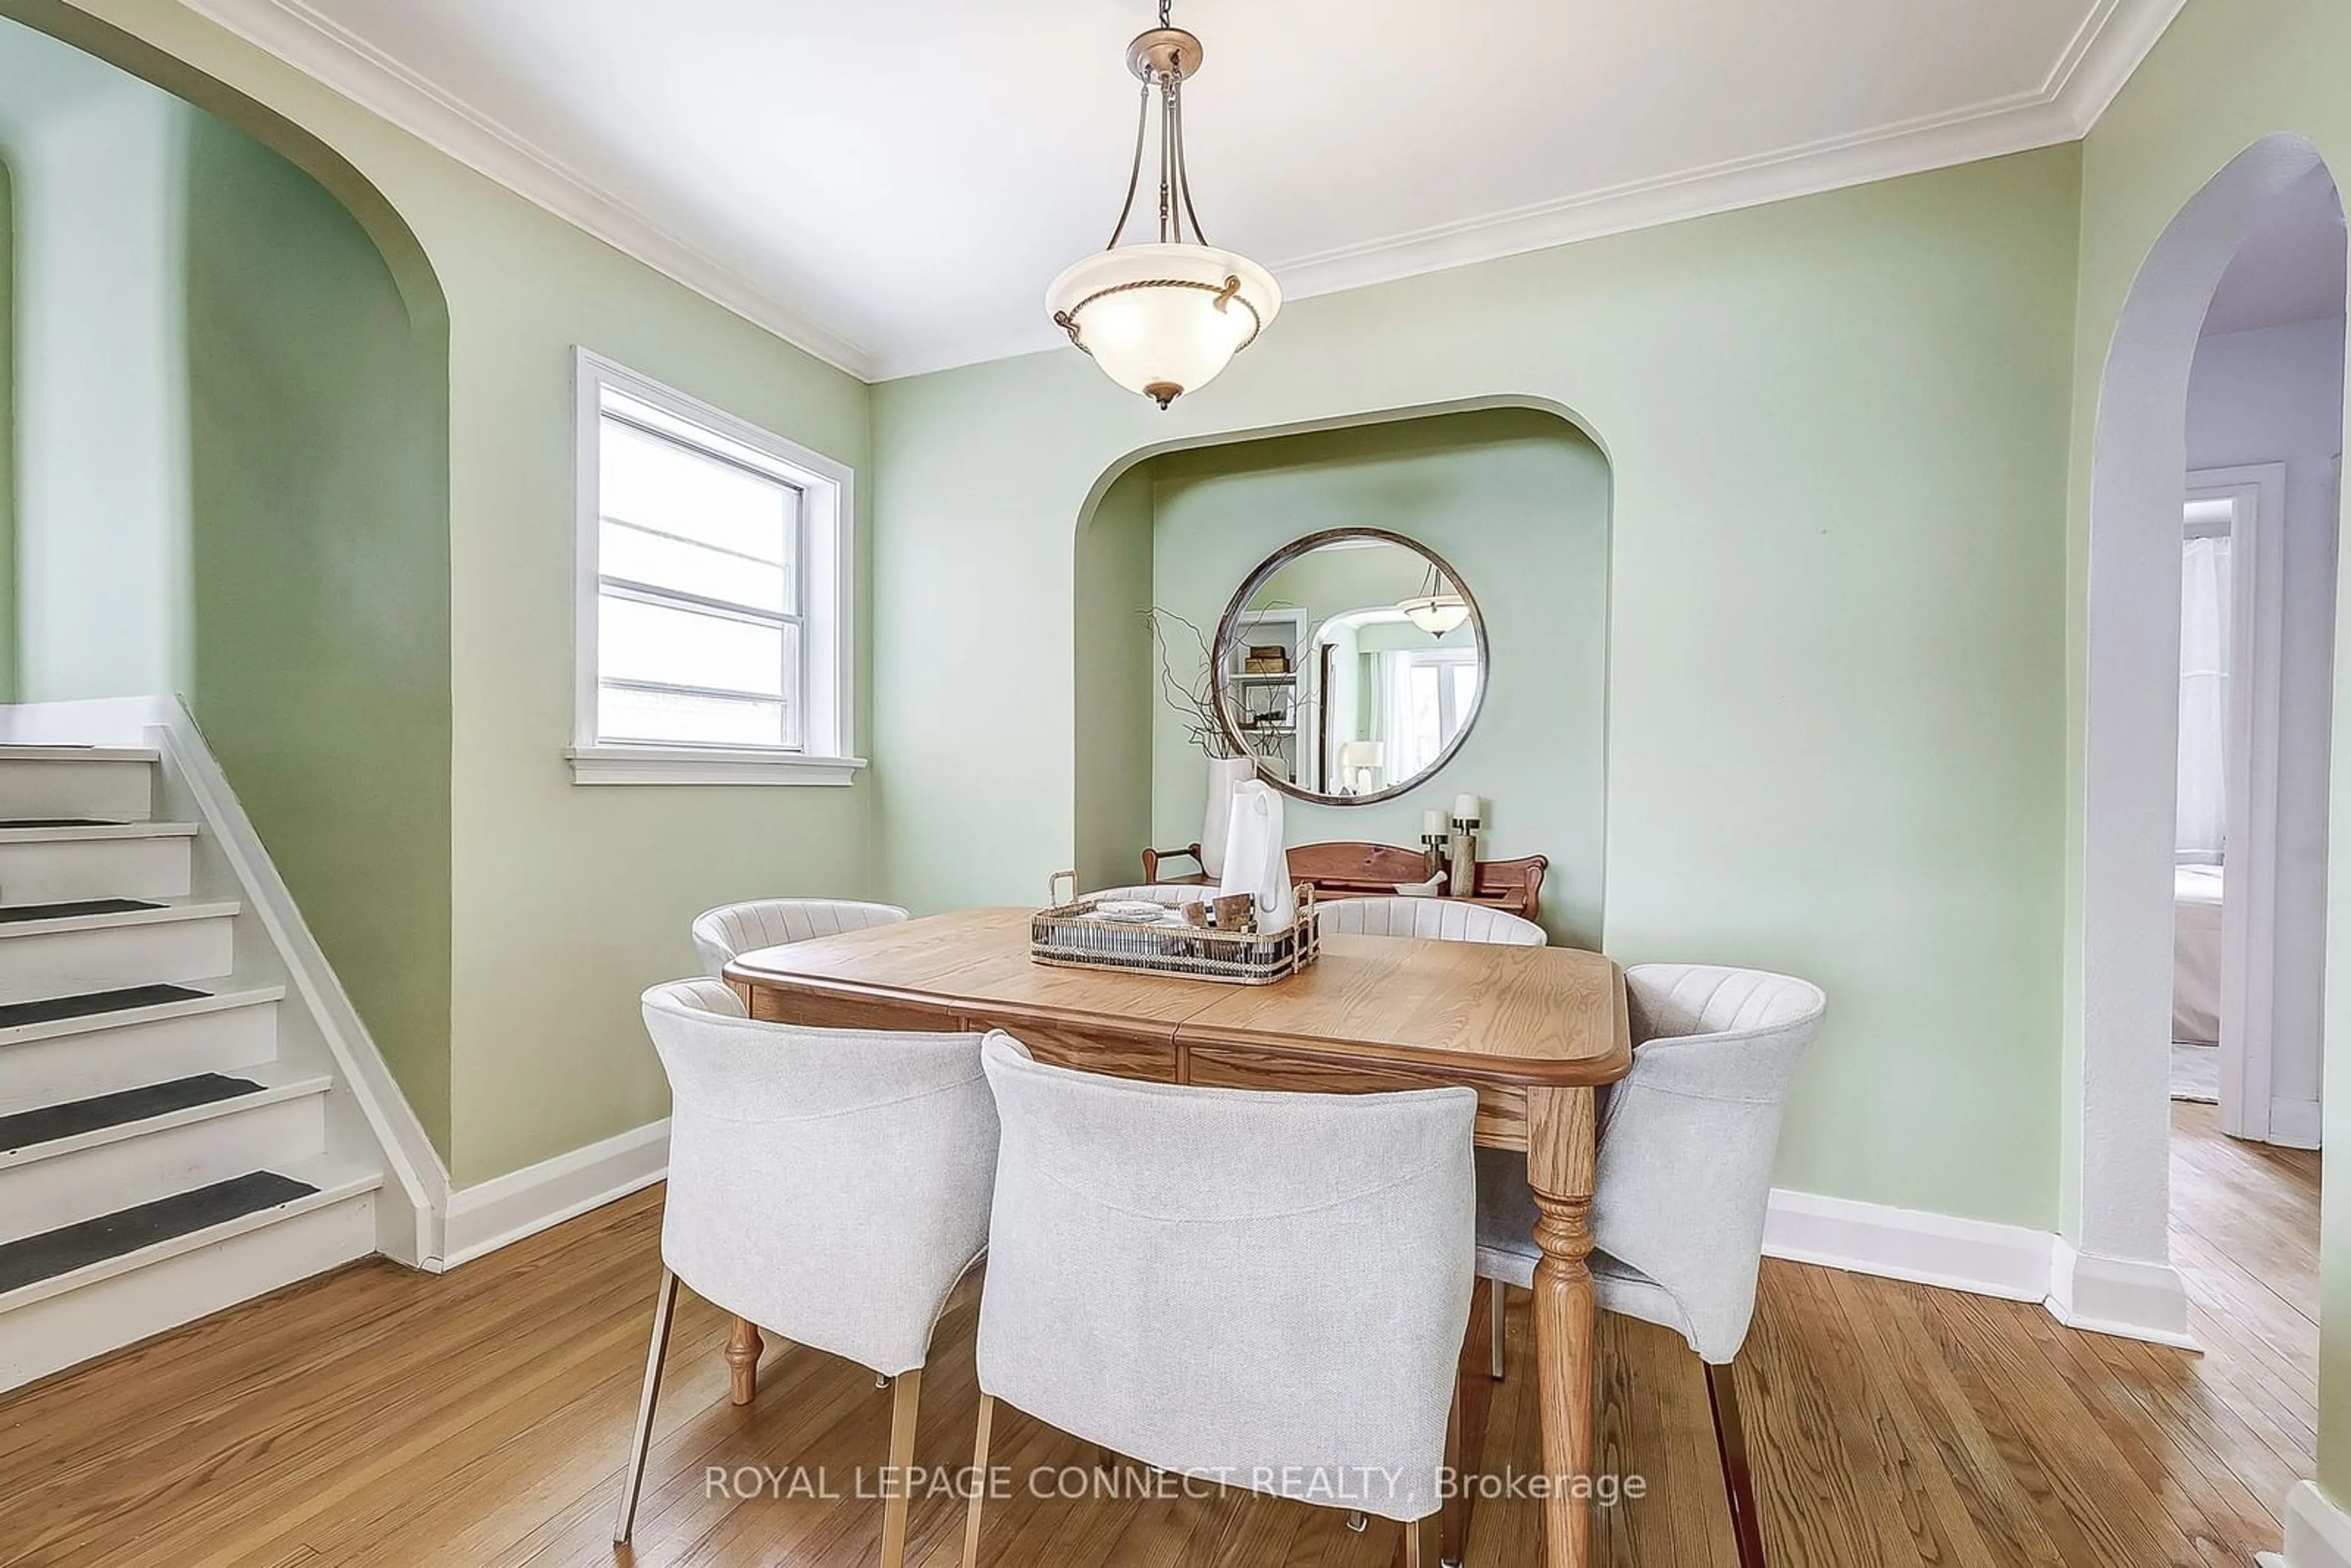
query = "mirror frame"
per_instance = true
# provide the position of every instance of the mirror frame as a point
(1283, 557)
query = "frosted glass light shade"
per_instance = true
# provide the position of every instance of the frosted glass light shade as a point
(1435, 613)
(1151, 317)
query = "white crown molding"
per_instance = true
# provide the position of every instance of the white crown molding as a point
(2108, 48)
(2113, 43)
(2100, 58)
(325, 51)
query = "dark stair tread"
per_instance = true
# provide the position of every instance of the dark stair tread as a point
(15, 913)
(71, 1247)
(50, 1123)
(62, 823)
(89, 1003)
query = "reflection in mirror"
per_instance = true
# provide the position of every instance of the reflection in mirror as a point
(1350, 664)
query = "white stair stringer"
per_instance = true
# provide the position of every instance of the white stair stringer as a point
(191, 1112)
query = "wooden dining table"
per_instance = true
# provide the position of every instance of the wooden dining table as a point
(1535, 1030)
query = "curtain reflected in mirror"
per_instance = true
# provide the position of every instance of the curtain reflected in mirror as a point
(1349, 665)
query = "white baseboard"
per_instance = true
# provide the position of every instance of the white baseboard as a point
(2014, 1262)
(491, 1214)
(2295, 1124)
(2118, 1296)
(2317, 1533)
(2011, 1261)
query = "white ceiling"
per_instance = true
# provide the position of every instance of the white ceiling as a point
(2293, 268)
(892, 182)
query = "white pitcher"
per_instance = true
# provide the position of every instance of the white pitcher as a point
(1256, 861)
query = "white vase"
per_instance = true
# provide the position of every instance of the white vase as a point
(1224, 773)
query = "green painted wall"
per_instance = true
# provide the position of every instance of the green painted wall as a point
(318, 465)
(1517, 501)
(1836, 433)
(1117, 692)
(563, 902)
(2227, 74)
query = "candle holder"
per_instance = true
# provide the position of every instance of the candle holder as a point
(1432, 854)
(1463, 851)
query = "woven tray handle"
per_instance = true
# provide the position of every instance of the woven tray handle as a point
(1053, 898)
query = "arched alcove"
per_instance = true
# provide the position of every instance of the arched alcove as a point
(283, 559)
(2118, 1272)
(1514, 495)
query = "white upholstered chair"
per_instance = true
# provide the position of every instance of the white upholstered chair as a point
(1439, 920)
(721, 933)
(1685, 1177)
(831, 1185)
(1268, 1289)
(1436, 919)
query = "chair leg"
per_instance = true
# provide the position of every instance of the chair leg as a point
(1494, 1293)
(1420, 1543)
(978, 1481)
(633, 1478)
(904, 1407)
(1738, 1481)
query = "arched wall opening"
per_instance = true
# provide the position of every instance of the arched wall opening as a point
(2118, 1269)
(261, 524)
(1514, 496)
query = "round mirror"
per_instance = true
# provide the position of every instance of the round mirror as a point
(1349, 665)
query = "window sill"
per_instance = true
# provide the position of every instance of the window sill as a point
(706, 765)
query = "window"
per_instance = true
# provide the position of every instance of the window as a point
(713, 595)
(1432, 693)
(2207, 602)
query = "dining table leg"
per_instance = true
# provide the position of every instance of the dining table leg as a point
(743, 1347)
(1562, 1153)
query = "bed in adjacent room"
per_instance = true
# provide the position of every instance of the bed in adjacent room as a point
(2196, 955)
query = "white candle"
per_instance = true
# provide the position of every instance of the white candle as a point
(1465, 807)
(1432, 823)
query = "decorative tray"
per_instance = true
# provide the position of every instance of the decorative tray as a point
(1094, 933)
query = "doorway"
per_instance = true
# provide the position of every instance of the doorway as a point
(2207, 723)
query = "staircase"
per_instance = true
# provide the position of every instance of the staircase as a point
(175, 1136)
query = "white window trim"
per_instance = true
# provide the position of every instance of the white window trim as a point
(828, 510)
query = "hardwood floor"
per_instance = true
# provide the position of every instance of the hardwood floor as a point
(380, 1418)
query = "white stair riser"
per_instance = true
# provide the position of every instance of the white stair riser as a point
(99, 1061)
(56, 873)
(49, 1335)
(110, 791)
(66, 1189)
(68, 963)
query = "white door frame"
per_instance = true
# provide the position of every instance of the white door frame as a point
(2255, 497)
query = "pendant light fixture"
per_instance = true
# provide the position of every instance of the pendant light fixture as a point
(1162, 317)
(1434, 612)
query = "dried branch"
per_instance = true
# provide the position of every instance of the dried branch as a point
(1194, 702)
